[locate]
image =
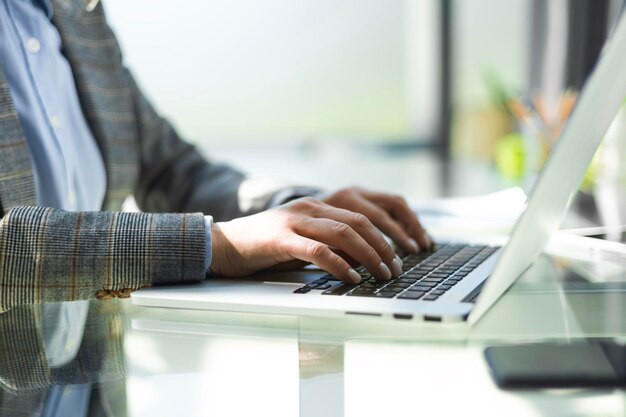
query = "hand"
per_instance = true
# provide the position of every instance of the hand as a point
(390, 213)
(305, 229)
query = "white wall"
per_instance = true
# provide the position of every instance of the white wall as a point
(240, 71)
(491, 37)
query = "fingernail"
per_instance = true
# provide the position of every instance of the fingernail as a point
(384, 271)
(413, 244)
(396, 267)
(354, 276)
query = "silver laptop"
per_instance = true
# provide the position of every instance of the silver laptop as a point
(457, 282)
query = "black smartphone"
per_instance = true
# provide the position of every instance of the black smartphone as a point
(583, 364)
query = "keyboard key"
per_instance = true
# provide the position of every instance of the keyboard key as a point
(412, 295)
(438, 292)
(424, 268)
(420, 288)
(339, 289)
(386, 294)
(430, 297)
(330, 278)
(447, 265)
(432, 279)
(414, 275)
(362, 294)
(425, 284)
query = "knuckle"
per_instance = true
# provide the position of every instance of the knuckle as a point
(372, 255)
(342, 229)
(347, 192)
(294, 223)
(293, 217)
(304, 203)
(316, 250)
(388, 250)
(309, 200)
(360, 220)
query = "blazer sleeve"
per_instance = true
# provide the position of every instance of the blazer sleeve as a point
(176, 177)
(53, 255)
(25, 362)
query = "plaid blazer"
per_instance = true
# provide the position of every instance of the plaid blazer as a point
(25, 372)
(52, 255)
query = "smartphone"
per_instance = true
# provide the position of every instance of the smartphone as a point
(599, 363)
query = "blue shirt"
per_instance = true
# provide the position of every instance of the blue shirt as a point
(68, 167)
(67, 164)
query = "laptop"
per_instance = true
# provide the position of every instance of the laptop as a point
(458, 282)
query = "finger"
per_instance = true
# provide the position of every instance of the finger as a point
(401, 211)
(381, 219)
(344, 237)
(349, 259)
(318, 253)
(368, 231)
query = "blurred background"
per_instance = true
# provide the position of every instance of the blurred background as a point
(422, 97)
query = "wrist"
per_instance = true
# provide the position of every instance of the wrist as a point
(217, 245)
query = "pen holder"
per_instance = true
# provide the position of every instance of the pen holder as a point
(521, 155)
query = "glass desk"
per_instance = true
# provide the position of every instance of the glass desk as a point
(111, 358)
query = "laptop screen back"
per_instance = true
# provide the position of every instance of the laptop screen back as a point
(601, 98)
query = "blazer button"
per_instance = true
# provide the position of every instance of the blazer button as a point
(104, 295)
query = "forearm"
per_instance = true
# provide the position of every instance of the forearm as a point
(176, 177)
(52, 255)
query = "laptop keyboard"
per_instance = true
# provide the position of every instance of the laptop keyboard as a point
(425, 276)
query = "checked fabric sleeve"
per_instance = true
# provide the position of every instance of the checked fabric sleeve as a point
(52, 255)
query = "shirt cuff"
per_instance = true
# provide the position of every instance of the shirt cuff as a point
(208, 221)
